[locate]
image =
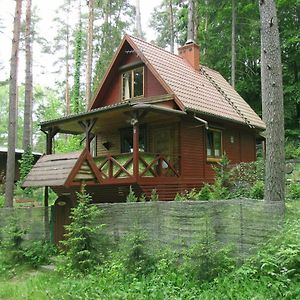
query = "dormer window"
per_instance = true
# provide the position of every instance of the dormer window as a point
(133, 83)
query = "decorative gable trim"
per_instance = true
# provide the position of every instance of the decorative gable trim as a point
(84, 158)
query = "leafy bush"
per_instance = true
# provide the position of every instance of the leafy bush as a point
(205, 193)
(293, 191)
(2, 200)
(11, 244)
(38, 253)
(82, 249)
(257, 190)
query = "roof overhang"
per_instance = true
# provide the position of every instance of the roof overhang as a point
(105, 116)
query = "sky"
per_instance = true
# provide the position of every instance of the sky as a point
(42, 63)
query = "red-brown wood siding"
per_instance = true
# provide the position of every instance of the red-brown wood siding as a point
(152, 85)
(112, 94)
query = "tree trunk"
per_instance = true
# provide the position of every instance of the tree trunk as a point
(67, 92)
(138, 24)
(233, 44)
(27, 129)
(196, 21)
(13, 108)
(272, 101)
(190, 29)
(205, 25)
(89, 62)
(171, 26)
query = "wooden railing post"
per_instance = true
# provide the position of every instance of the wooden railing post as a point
(135, 149)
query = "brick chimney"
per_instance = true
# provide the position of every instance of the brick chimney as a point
(190, 52)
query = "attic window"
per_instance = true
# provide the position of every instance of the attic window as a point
(133, 83)
(214, 144)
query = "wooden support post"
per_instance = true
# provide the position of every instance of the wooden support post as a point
(88, 125)
(135, 148)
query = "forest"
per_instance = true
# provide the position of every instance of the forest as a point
(254, 44)
(69, 51)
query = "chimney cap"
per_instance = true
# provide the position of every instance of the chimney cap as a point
(190, 41)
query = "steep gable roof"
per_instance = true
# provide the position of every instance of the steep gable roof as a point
(204, 91)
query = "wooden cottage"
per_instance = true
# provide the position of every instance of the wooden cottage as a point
(158, 120)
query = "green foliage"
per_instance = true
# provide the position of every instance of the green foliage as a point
(293, 191)
(131, 197)
(39, 253)
(2, 200)
(205, 193)
(11, 244)
(76, 100)
(257, 190)
(135, 255)
(82, 251)
(292, 150)
(154, 196)
(142, 198)
(207, 259)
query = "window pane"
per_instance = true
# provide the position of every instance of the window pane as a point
(127, 83)
(217, 143)
(138, 82)
(209, 143)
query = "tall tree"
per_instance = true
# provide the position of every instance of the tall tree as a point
(233, 43)
(190, 28)
(272, 100)
(76, 94)
(13, 107)
(138, 23)
(27, 127)
(62, 49)
(89, 63)
(172, 34)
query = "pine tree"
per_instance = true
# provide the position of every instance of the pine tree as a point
(89, 62)
(272, 100)
(13, 96)
(27, 127)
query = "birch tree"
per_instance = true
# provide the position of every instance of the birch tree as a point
(13, 107)
(138, 23)
(272, 101)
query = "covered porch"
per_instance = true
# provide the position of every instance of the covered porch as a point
(127, 143)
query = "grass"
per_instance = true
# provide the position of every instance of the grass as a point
(273, 273)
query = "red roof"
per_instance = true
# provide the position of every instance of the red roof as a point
(205, 91)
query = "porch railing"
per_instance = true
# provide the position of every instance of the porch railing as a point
(150, 165)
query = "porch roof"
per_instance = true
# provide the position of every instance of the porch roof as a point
(119, 112)
(51, 170)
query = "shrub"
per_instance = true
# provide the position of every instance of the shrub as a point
(26, 163)
(11, 245)
(205, 192)
(257, 190)
(135, 256)
(154, 196)
(2, 200)
(131, 197)
(82, 248)
(294, 191)
(207, 259)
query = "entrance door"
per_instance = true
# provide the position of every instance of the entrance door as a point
(61, 217)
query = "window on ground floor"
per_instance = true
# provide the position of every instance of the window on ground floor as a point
(214, 144)
(126, 135)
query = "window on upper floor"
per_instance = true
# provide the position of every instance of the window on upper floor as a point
(214, 144)
(133, 83)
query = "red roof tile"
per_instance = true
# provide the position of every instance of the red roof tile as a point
(205, 91)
